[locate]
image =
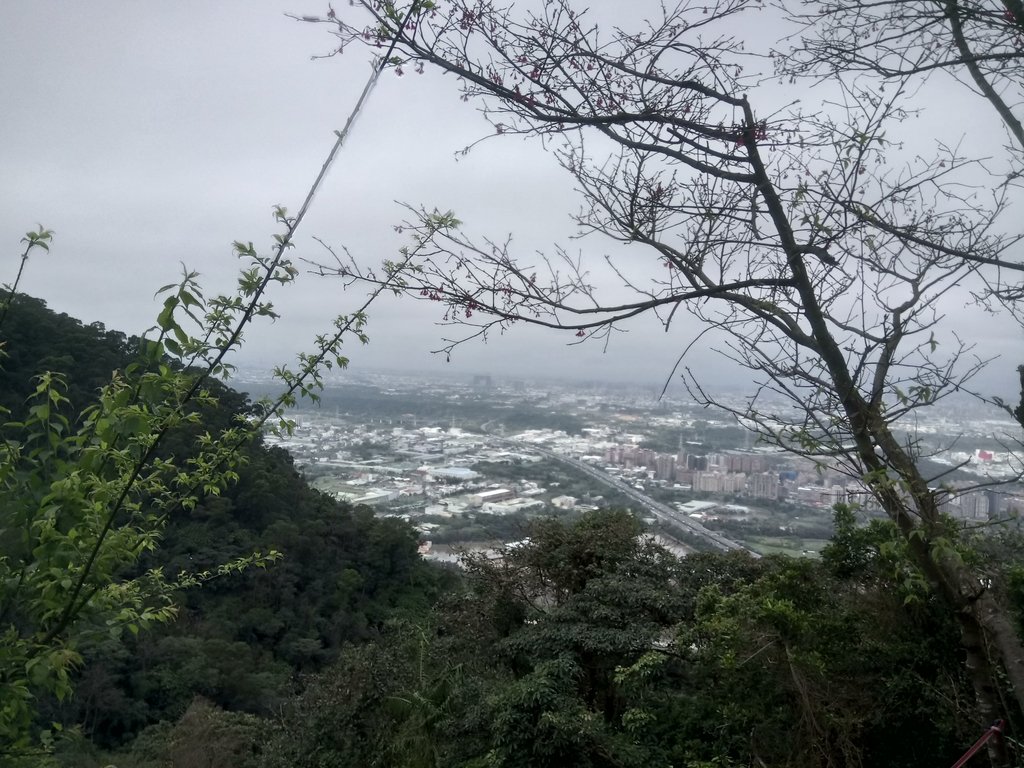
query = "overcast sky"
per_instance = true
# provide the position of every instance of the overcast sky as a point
(152, 134)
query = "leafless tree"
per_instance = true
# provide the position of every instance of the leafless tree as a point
(980, 43)
(824, 252)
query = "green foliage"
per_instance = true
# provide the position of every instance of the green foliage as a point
(40, 238)
(242, 639)
(840, 667)
(80, 506)
(204, 736)
(400, 701)
(87, 488)
(46, 341)
(213, 738)
(589, 646)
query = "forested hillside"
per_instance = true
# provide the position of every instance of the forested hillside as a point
(590, 647)
(39, 339)
(241, 640)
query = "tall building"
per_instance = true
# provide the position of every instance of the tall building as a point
(665, 467)
(719, 482)
(752, 463)
(974, 506)
(763, 485)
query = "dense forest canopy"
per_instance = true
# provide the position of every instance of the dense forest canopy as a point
(41, 340)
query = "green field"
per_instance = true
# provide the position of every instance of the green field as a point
(783, 545)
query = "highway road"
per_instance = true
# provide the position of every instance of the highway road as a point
(663, 512)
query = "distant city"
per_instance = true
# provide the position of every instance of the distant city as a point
(468, 460)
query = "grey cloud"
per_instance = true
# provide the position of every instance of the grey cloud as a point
(151, 134)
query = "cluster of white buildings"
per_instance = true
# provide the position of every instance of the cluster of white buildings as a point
(430, 469)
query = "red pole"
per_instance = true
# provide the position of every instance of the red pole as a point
(993, 730)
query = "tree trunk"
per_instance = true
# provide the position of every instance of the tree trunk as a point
(1003, 639)
(983, 679)
(987, 636)
(990, 643)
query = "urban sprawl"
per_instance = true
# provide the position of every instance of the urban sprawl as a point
(467, 462)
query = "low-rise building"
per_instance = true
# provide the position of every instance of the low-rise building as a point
(511, 506)
(490, 496)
